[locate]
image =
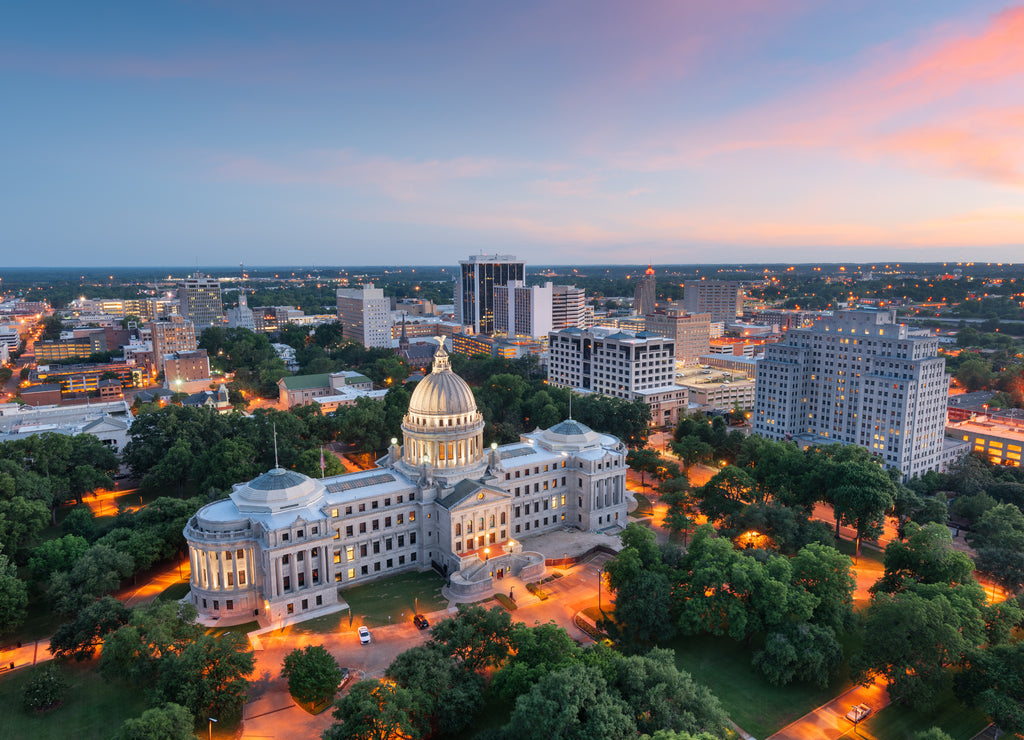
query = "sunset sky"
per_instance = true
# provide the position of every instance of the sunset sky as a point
(565, 132)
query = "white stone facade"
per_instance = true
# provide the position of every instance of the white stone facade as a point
(857, 378)
(280, 546)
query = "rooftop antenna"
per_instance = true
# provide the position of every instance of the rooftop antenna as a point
(570, 404)
(275, 447)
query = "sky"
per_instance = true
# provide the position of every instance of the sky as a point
(318, 132)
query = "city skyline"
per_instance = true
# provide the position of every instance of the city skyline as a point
(564, 133)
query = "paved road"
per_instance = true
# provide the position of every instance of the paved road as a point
(828, 721)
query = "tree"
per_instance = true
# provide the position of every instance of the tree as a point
(974, 374)
(374, 710)
(998, 537)
(927, 556)
(45, 690)
(79, 638)
(932, 733)
(97, 572)
(13, 596)
(209, 676)
(726, 493)
(475, 637)
(692, 450)
(572, 703)
(675, 492)
(993, 681)
(917, 635)
(803, 652)
(642, 606)
(659, 695)
(826, 574)
(861, 494)
(313, 674)
(536, 651)
(56, 555)
(167, 722)
(447, 697)
(643, 461)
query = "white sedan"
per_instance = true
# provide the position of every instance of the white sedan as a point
(364, 635)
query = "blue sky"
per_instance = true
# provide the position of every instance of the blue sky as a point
(565, 132)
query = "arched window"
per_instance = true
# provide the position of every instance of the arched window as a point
(491, 521)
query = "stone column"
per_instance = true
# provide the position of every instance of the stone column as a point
(209, 572)
(308, 569)
(234, 565)
(278, 576)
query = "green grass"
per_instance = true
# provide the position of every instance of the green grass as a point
(93, 707)
(506, 602)
(643, 505)
(41, 621)
(239, 629)
(867, 552)
(174, 592)
(897, 722)
(373, 603)
(754, 704)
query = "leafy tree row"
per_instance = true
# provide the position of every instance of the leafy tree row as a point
(557, 688)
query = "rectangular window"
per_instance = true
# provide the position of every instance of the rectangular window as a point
(401, 540)
(412, 516)
(241, 578)
(230, 604)
(337, 556)
(351, 573)
(387, 521)
(348, 531)
(412, 538)
(362, 551)
(302, 580)
(319, 600)
(376, 524)
(305, 604)
(390, 563)
(334, 512)
(376, 567)
(337, 534)
(285, 559)
(387, 502)
(350, 553)
(401, 559)
(364, 570)
(231, 579)
(401, 519)
(389, 544)
(287, 582)
(362, 527)
(300, 555)
(239, 554)
(375, 505)
(290, 608)
(348, 510)
(376, 548)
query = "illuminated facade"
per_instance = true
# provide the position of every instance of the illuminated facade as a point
(281, 545)
(858, 378)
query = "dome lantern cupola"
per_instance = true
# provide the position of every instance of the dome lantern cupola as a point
(443, 427)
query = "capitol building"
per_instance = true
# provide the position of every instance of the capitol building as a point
(281, 545)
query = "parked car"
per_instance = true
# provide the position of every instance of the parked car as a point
(420, 621)
(858, 712)
(364, 635)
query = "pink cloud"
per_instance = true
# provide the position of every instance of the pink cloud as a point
(950, 103)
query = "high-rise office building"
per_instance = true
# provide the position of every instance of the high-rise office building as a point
(723, 299)
(474, 289)
(568, 307)
(521, 310)
(173, 335)
(200, 300)
(690, 332)
(365, 315)
(645, 295)
(858, 378)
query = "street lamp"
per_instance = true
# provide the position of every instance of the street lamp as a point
(600, 576)
(212, 720)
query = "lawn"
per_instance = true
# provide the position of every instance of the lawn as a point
(238, 629)
(396, 597)
(93, 707)
(754, 704)
(897, 722)
(174, 592)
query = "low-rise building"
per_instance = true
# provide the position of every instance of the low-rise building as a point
(999, 440)
(109, 421)
(187, 372)
(298, 390)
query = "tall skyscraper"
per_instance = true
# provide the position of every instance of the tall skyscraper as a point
(858, 378)
(173, 335)
(723, 299)
(365, 315)
(645, 295)
(521, 310)
(474, 289)
(568, 307)
(690, 332)
(200, 300)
